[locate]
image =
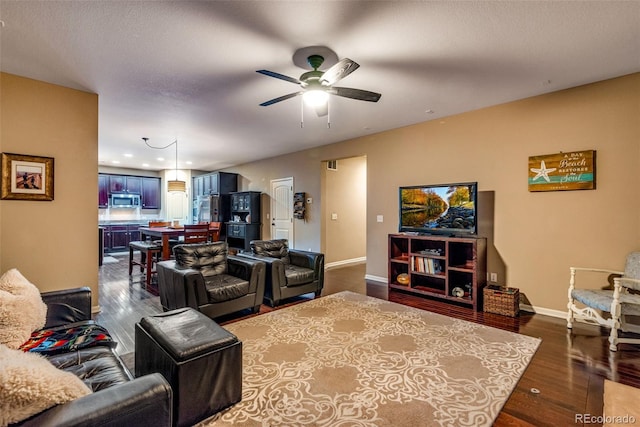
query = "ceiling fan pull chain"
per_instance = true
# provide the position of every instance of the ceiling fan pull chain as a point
(301, 113)
(328, 114)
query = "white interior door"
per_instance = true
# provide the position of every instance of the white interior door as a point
(282, 209)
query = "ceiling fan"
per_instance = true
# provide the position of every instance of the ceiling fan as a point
(317, 85)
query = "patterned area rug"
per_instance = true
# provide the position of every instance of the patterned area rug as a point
(351, 360)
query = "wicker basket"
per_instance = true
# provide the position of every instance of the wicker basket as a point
(501, 300)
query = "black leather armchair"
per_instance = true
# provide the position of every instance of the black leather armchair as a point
(203, 276)
(290, 272)
(117, 399)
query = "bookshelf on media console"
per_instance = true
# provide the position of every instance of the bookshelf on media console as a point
(449, 268)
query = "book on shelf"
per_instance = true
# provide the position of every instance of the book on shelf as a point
(425, 265)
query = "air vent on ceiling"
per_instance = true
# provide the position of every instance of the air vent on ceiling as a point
(332, 165)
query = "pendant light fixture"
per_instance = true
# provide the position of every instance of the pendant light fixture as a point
(172, 185)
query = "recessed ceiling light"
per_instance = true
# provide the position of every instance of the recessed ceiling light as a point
(189, 162)
(115, 161)
(128, 155)
(160, 159)
(146, 165)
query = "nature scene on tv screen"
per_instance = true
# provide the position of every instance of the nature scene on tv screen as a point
(448, 207)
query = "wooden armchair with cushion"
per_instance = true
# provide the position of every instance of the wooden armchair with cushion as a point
(290, 272)
(622, 303)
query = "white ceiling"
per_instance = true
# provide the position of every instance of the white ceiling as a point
(186, 69)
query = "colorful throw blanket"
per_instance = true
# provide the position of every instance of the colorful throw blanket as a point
(53, 341)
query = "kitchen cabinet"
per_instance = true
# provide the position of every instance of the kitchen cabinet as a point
(149, 189)
(103, 191)
(245, 219)
(117, 237)
(215, 183)
(151, 193)
(125, 184)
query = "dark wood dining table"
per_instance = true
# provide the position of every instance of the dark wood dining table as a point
(165, 233)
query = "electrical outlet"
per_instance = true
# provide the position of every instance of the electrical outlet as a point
(494, 277)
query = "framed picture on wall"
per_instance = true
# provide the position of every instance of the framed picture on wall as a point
(26, 177)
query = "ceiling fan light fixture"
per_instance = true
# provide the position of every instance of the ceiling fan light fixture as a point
(315, 97)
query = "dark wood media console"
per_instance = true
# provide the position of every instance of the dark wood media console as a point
(449, 268)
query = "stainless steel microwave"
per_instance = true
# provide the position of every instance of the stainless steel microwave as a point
(124, 201)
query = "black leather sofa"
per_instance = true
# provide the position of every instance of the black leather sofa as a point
(290, 272)
(204, 277)
(117, 399)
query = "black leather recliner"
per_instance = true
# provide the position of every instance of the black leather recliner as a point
(203, 276)
(290, 272)
(117, 399)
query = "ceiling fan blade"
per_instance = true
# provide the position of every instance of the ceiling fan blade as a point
(323, 109)
(279, 76)
(339, 71)
(281, 98)
(362, 95)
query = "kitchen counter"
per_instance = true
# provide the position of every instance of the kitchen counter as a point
(123, 222)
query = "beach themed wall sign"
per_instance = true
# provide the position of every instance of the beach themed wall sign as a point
(563, 171)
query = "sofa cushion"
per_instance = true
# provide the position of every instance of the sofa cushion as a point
(278, 248)
(97, 367)
(29, 384)
(209, 258)
(296, 275)
(21, 309)
(224, 287)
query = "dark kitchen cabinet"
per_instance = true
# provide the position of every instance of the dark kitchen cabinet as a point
(103, 191)
(245, 219)
(149, 188)
(151, 193)
(119, 237)
(215, 183)
(116, 238)
(125, 184)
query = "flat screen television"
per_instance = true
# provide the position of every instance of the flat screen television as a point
(449, 209)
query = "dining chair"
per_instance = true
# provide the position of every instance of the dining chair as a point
(150, 253)
(196, 233)
(214, 230)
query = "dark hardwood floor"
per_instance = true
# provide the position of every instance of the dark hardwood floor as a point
(564, 379)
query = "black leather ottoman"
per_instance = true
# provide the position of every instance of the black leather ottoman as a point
(201, 360)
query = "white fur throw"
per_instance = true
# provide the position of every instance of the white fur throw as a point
(21, 309)
(29, 384)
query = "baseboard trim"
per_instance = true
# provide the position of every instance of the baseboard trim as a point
(352, 261)
(542, 310)
(382, 280)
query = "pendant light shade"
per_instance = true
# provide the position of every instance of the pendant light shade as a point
(176, 185)
(173, 185)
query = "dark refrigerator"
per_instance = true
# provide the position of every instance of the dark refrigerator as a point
(214, 208)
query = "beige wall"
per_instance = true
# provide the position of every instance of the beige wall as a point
(344, 193)
(534, 237)
(54, 244)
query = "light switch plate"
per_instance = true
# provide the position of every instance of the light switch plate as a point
(334, 216)
(380, 218)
